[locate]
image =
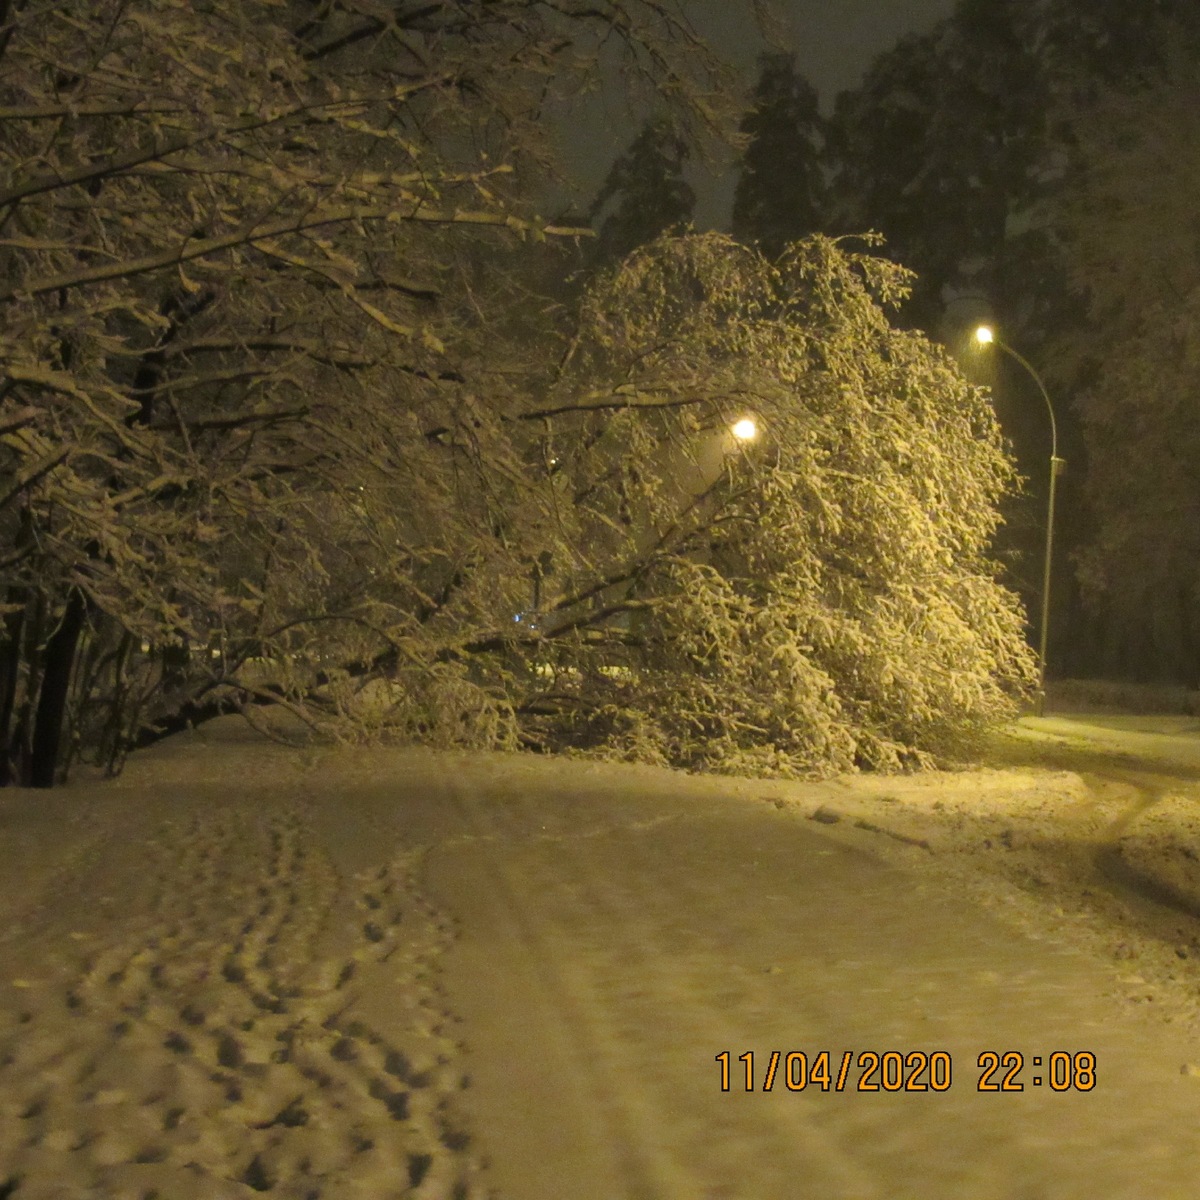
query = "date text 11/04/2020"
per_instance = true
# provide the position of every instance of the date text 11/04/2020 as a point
(911, 1071)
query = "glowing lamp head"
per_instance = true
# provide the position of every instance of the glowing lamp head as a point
(984, 335)
(745, 430)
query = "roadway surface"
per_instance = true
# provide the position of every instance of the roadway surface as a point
(612, 945)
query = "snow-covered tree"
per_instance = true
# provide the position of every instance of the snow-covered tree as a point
(240, 305)
(277, 424)
(814, 597)
(780, 193)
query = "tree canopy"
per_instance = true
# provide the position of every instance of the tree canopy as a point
(1125, 216)
(240, 250)
(939, 148)
(819, 596)
(283, 421)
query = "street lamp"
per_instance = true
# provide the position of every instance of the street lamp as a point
(985, 336)
(745, 430)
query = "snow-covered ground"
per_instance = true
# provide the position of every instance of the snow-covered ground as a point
(1086, 829)
(338, 972)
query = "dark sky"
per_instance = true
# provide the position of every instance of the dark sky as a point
(834, 42)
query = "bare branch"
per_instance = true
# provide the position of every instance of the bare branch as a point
(245, 419)
(319, 352)
(604, 405)
(53, 112)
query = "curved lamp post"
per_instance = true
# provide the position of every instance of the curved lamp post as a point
(985, 335)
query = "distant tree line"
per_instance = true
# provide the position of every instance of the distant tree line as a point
(1032, 164)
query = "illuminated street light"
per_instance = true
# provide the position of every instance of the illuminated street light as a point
(986, 336)
(745, 430)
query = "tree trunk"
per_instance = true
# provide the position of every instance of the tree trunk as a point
(10, 662)
(112, 740)
(58, 664)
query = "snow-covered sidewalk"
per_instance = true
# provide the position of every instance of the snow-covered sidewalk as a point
(336, 972)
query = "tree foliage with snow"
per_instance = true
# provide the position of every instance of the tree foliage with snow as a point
(645, 193)
(277, 425)
(812, 599)
(243, 336)
(780, 193)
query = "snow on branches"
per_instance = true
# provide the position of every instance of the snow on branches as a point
(236, 246)
(285, 418)
(810, 599)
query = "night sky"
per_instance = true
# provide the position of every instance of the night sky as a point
(834, 42)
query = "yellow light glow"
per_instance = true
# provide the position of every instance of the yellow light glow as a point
(745, 430)
(984, 335)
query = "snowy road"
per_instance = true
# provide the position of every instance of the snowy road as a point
(243, 969)
(602, 969)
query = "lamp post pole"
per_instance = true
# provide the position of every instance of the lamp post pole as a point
(985, 335)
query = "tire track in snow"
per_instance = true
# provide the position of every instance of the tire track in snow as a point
(632, 1014)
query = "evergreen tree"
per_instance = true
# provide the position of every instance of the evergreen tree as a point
(645, 193)
(1088, 45)
(780, 195)
(940, 148)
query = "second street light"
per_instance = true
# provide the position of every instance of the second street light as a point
(985, 335)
